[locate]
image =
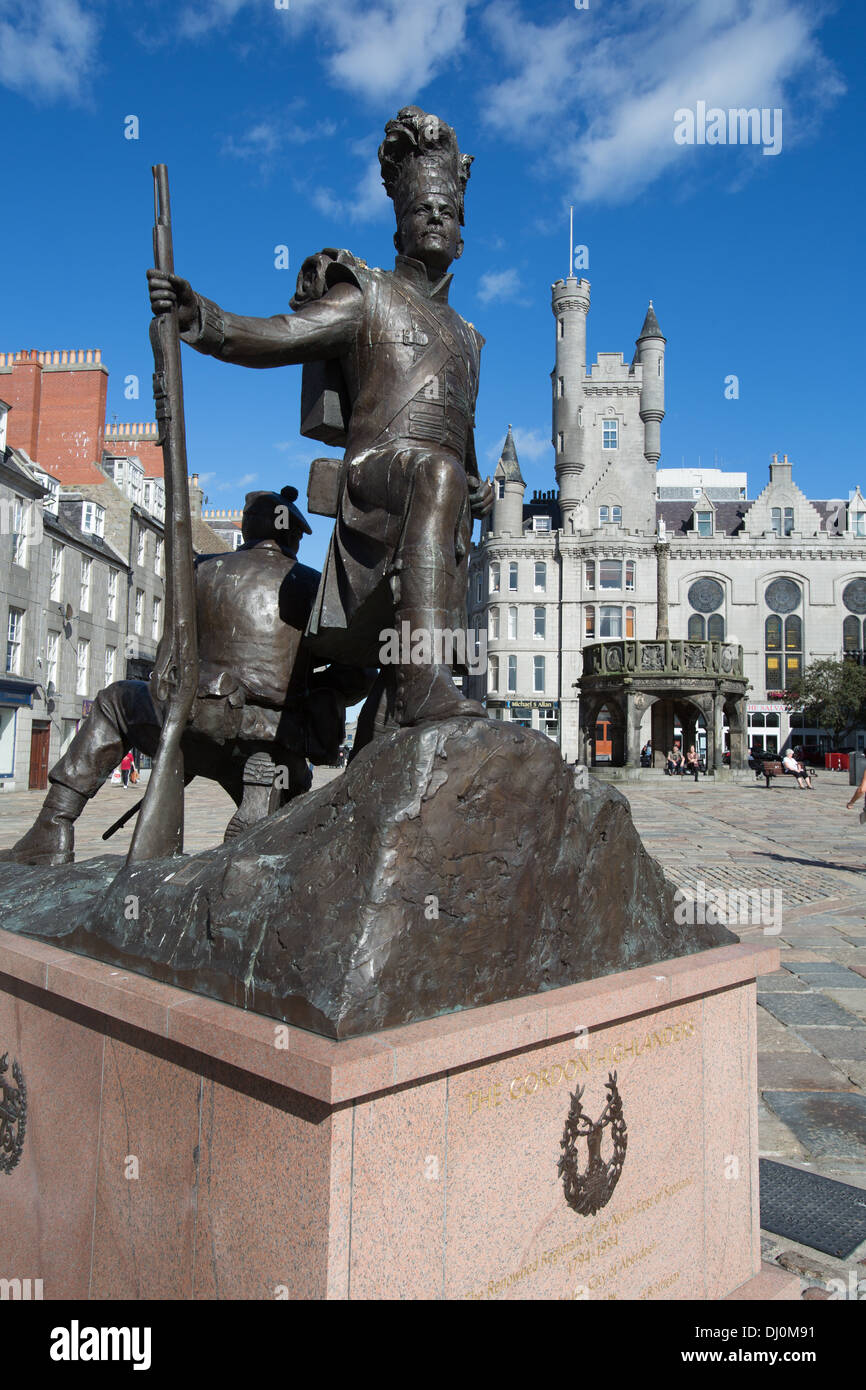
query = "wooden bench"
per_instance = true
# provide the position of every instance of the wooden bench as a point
(772, 768)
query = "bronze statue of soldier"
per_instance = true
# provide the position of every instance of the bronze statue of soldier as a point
(261, 710)
(407, 369)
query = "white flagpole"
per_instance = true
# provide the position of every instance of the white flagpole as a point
(571, 240)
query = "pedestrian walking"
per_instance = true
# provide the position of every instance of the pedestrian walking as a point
(861, 791)
(125, 767)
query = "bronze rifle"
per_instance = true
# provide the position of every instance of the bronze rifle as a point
(174, 679)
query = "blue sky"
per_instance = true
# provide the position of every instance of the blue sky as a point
(269, 119)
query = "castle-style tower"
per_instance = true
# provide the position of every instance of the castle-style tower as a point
(509, 488)
(650, 353)
(570, 305)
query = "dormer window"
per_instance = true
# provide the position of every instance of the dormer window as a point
(704, 523)
(52, 487)
(92, 519)
(541, 523)
(858, 523)
(610, 516)
(782, 520)
(501, 488)
(135, 479)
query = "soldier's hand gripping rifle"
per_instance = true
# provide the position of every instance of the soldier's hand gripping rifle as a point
(174, 680)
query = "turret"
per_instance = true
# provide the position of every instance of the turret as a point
(570, 305)
(650, 353)
(508, 488)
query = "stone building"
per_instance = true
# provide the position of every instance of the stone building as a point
(63, 589)
(781, 576)
(82, 553)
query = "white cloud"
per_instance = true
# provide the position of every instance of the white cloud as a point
(379, 51)
(532, 444)
(236, 483)
(266, 140)
(609, 81)
(196, 20)
(395, 47)
(47, 50)
(368, 203)
(500, 285)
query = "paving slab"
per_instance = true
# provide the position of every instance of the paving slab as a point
(773, 1036)
(822, 975)
(809, 1009)
(784, 981)
(831, 1123)
(838, 1044)
(799, 1071)
(852, 1000)
(775, 1138)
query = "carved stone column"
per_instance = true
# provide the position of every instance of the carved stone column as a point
(719, 731)
(635, 703)
(662, 580)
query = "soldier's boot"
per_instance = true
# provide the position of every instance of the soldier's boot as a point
(51, 838)
(425, 688)
(94, 752)
(261, 798)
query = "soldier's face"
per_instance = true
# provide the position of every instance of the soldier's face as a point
(429, 231)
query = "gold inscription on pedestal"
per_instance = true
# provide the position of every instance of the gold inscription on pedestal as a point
(584, 1061)
(587, 1256)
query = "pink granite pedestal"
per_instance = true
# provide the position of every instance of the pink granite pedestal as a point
(177, 1147)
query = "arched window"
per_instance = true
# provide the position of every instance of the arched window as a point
(494, 624)
(512, 624)
(793, 650)
(539, 622)
(493, 673)
(851, 634)
(696, 628)
(716, 628)
(512, 575)
(494, 577)
(773, 652)
(629, 622)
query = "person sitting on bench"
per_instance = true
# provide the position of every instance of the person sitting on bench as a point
(795, 769)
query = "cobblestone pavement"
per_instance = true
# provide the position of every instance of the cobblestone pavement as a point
(811, 1013)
